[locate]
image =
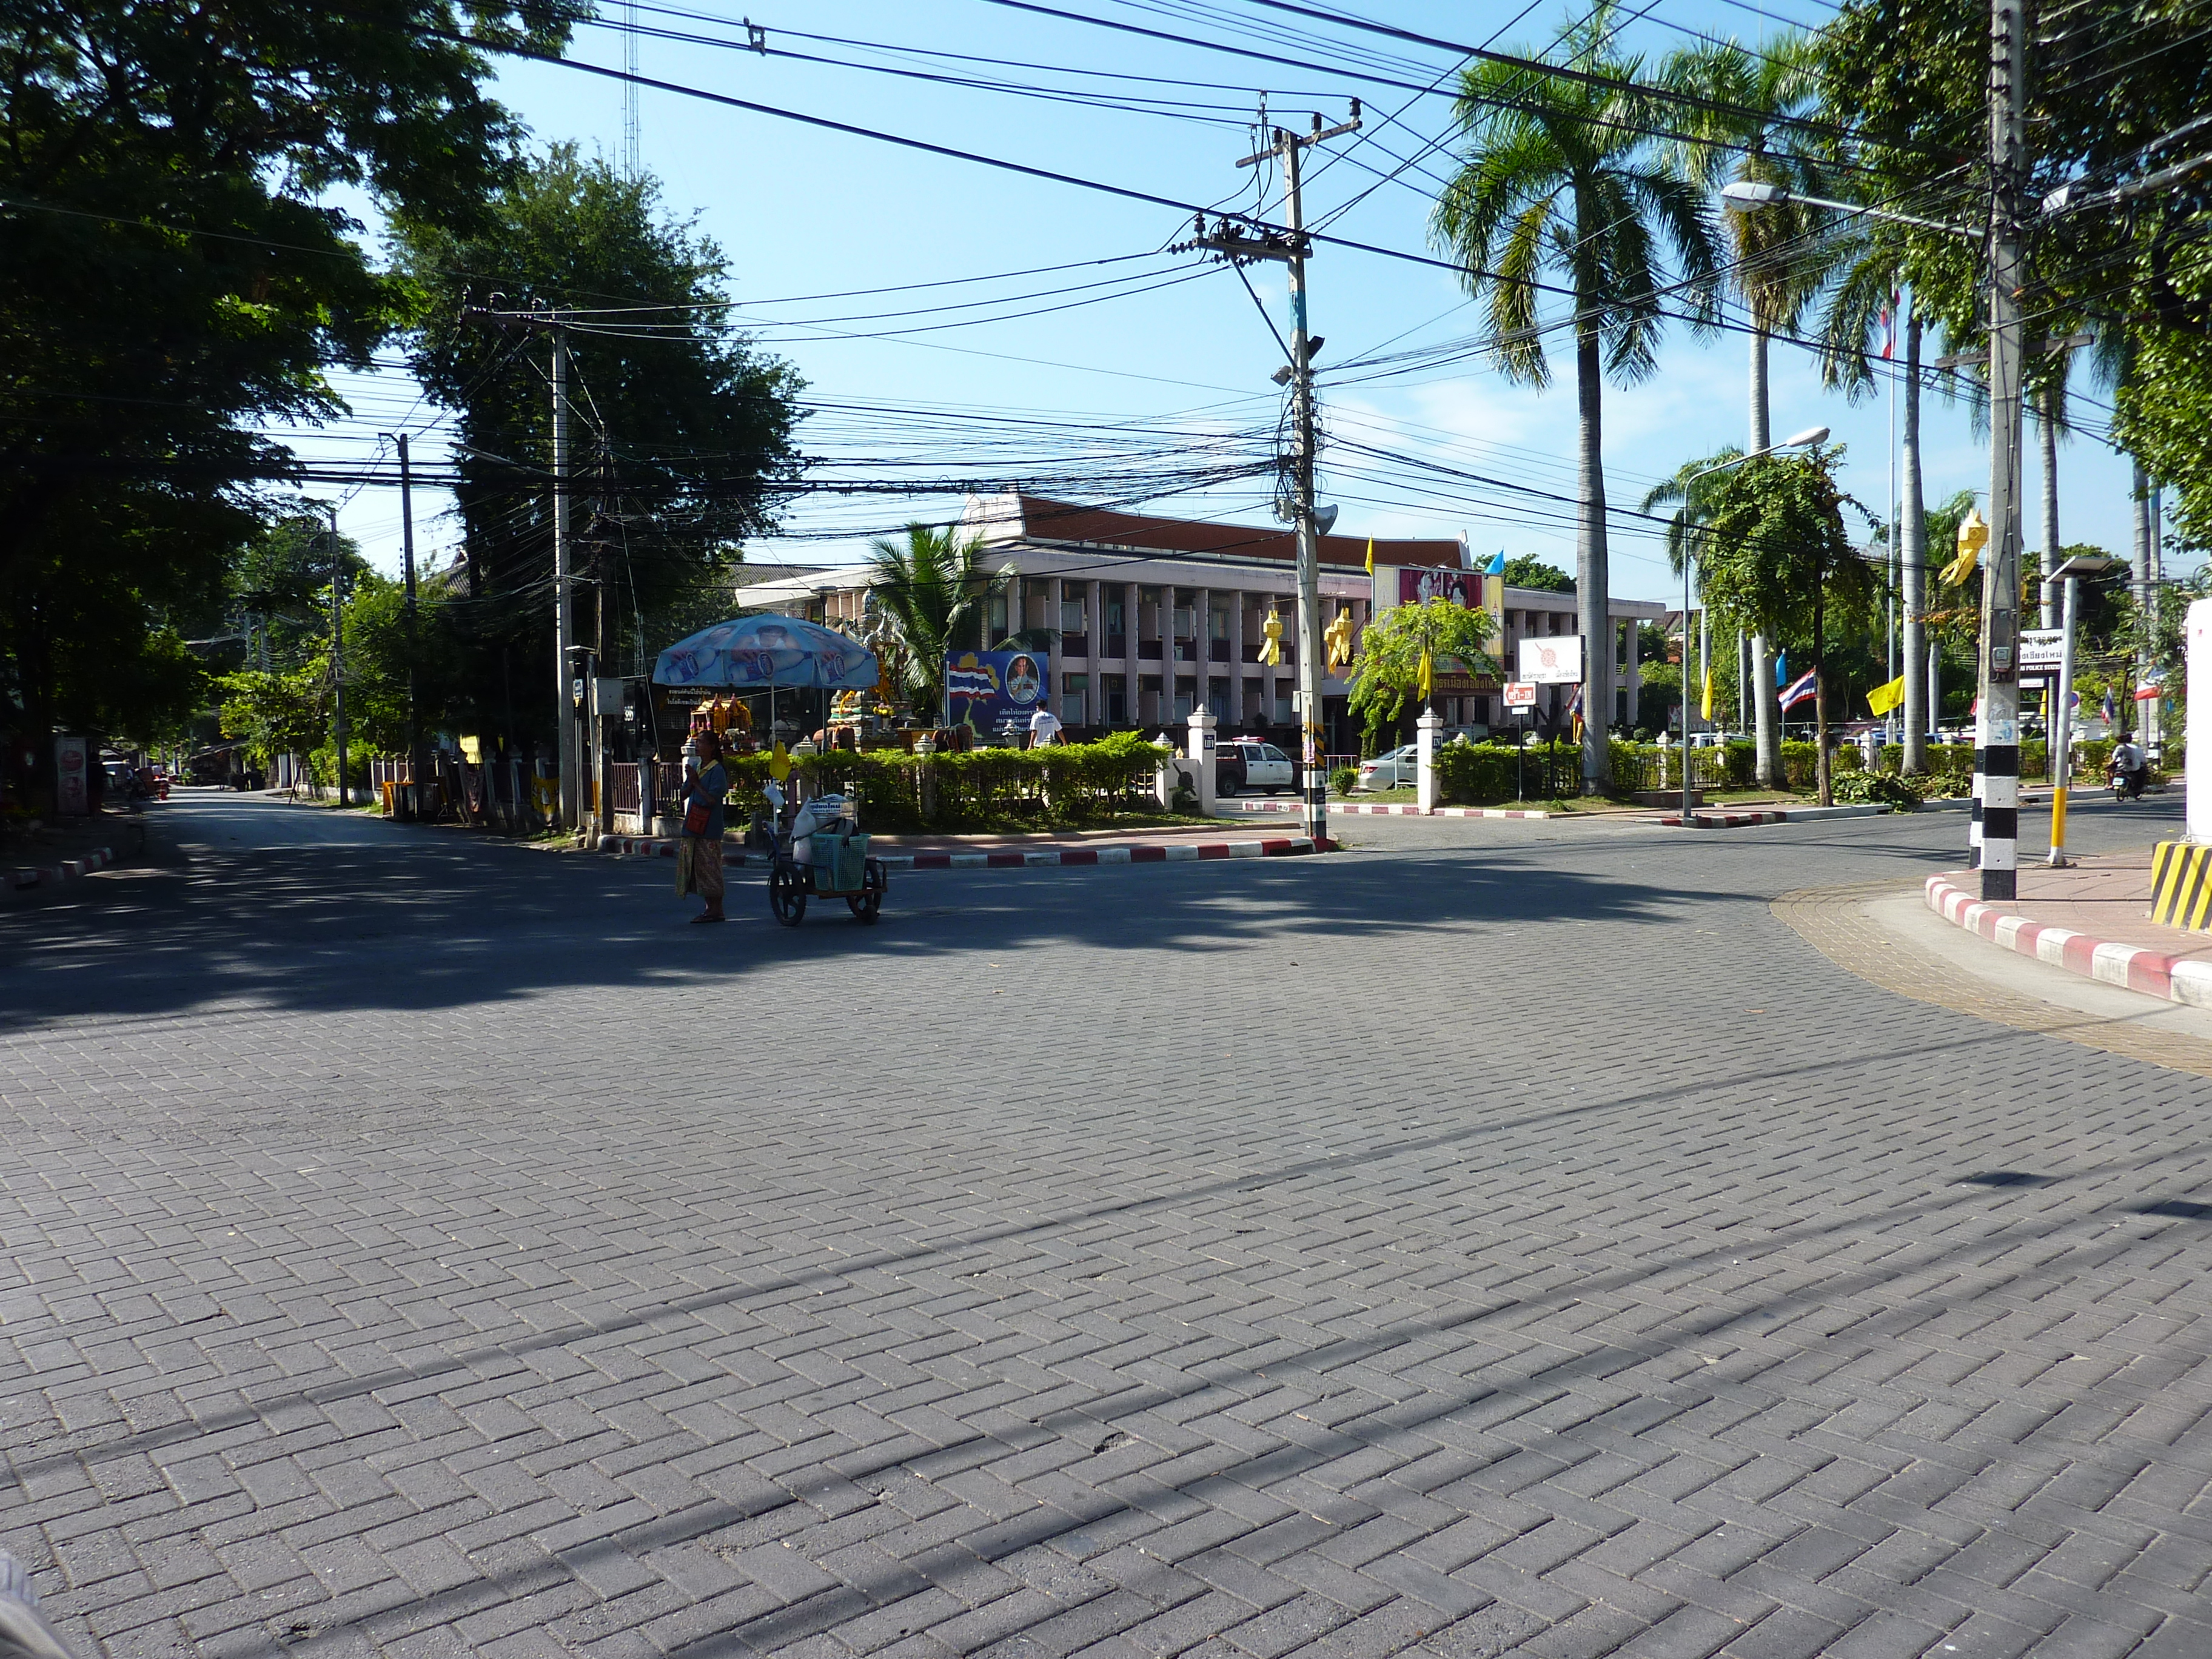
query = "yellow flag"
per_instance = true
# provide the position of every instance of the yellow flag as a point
(1706, 712)
(1370, 555)
(1272, 652)
(1425, 677)
(1883, 698)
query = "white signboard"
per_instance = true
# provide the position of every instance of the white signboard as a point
(2041, 648)
(1519, 694)
(1557, 661)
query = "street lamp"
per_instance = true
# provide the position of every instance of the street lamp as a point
(2062, 737)
(1805, 440)
(1749, 195)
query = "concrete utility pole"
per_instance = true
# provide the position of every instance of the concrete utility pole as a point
(1921, 707)
(338, 657)
(1997, 727)
(572, 794)
(1233, 244)
(414, 636)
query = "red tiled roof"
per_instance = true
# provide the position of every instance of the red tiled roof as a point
(1063, 521)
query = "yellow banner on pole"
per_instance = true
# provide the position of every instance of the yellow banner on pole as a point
(1883, 698)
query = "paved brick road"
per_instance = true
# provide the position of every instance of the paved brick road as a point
(1508, 1238)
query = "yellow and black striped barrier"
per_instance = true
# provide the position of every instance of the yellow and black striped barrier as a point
(2180, 884)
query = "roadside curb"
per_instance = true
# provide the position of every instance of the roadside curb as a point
(1403, 809)
(1792, 815)
(25, 877)
(2129, 967)
(1015, 858)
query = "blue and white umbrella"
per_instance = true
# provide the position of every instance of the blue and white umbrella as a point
(758, 654)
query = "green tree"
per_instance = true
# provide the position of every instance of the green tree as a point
(1777, 559)
(1403, 649)
(682, 434)
(175, 279)
(1526, 570)
(931, 587)
(2113, 86)
(1557, 180)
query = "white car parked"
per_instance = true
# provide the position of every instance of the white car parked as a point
(1399, 769)
(1241, 764)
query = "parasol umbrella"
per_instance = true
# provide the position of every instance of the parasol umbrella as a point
(770, 653)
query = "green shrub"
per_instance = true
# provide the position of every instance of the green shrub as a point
(1475, 773)
(1065, 783)
(1345, 779)
(1899, 794)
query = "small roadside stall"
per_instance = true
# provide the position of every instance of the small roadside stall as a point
(815, 847)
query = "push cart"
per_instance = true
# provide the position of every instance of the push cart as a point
(820, 853)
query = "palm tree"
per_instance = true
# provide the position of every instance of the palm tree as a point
(1744, 127)
(930, 586)
(1559, 180)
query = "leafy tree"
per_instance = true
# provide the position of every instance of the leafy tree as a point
(1777, 560)
(173, 279)
(931, 587)
(1403, 649)
(1558, 180)
(681, 433)
(2112, 83)
(1526, 570)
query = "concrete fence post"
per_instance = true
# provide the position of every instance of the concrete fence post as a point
(1430, 726)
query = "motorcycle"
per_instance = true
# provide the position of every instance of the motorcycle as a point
(2126, 785)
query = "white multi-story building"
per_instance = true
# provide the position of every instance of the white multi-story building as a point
(1156, 616)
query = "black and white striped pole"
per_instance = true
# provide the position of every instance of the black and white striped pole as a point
(1996, 722)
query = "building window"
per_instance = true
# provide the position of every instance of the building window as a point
(998, 617)
(1074, 694)
(1217, 622)
(1071, 616)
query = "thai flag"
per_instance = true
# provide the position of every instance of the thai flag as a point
(1575, 702)
(2112, 710)
(1798, 689)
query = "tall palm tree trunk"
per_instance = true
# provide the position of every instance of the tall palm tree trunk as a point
(1592, 577)
(1766, 697)
(1912, 551)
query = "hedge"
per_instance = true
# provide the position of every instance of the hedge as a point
(1062, 783)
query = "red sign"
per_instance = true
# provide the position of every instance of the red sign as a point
(1519, 694)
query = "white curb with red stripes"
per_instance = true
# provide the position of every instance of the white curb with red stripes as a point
(1790, 815)
(1016, 858)
(2129, 967)
(1407, 809)
(23, 878)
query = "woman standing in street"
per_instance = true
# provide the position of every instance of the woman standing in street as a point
(703, 825)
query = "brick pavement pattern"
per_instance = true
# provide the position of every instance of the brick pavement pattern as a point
(415, 1246)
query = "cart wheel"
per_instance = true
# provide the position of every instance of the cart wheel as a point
(786, 895)
(868, 903)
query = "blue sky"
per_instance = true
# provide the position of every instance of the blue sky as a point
(802, 212)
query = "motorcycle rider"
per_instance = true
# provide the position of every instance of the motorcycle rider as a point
(2129, 765)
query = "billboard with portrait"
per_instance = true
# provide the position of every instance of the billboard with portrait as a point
(1419, 587)
(993, 693)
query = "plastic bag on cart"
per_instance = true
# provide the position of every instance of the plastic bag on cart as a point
(824, 813)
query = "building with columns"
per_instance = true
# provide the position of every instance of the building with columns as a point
(1157, 616)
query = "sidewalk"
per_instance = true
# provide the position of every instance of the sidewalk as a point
(2091, 919)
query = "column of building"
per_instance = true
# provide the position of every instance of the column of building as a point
(1133, 679)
